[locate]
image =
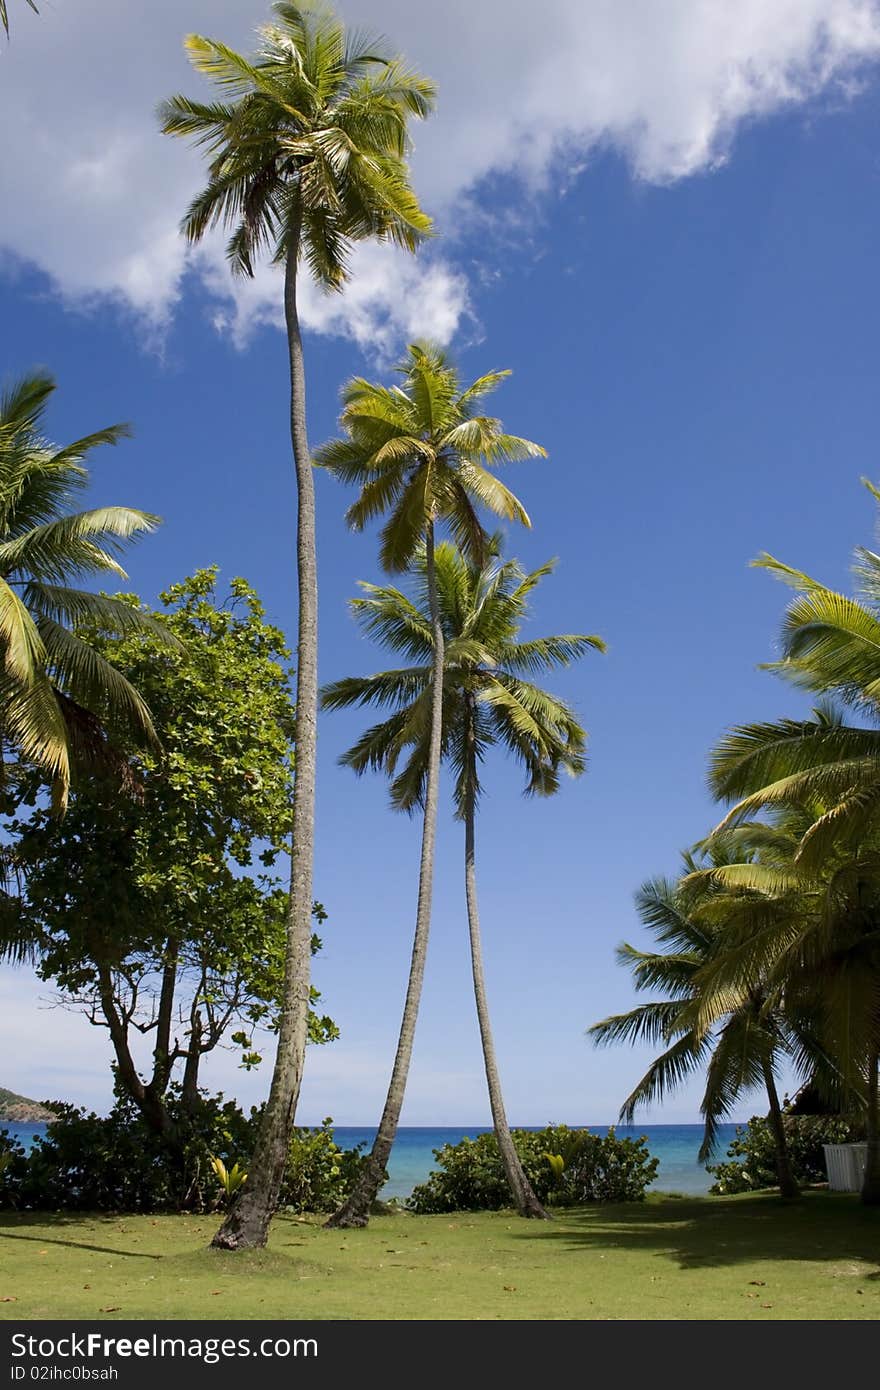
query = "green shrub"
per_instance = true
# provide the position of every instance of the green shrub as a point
(752, 1154)
(319, 1174)
(470, 1175)
(115, 1162)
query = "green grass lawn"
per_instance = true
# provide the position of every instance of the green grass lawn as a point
(739, 1257)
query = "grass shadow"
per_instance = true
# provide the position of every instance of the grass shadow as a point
(80, 1245)
(725, 1231)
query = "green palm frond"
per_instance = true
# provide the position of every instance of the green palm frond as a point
(481, 610)
(421, 457)
(72, 545)
(52, 683)
(386, 688)
(666, 1072)
(92, 682)
(649, 1023)
(743, 1048)
(4, 15)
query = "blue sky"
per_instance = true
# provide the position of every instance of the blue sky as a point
(683, 279)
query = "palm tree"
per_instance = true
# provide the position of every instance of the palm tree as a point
(418, 452)
(4, 17)
(739, 1041)
(307, 153)
(59, 699)
(811, 937)
(830, 645)
(486, 702)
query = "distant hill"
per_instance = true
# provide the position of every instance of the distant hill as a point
(18, 1109)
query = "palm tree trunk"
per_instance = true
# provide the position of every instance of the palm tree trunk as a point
(524, 1197)
(871, 1180)
(247, 1223)
(355, 1211)
(788, 1188)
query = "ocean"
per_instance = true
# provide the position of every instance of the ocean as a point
(412, 1157)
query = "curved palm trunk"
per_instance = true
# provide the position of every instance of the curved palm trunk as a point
(871, 1180)
(247, 1223)
(355, 1211)
(788, 1188)
(524, 1198)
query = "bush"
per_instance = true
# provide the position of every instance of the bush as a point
(596, 1169)
(117, 1163)
(319, 1174)
(753, 1153)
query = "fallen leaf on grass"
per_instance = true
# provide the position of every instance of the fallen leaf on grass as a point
(510, 1288)
(214, 1292)
(759, 1282)
(766, 1305)
(113, 1308)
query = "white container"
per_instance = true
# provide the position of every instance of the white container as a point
(845, 1164)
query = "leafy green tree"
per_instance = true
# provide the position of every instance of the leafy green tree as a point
(830, 646)
(487, 702)
(740, 1040)
(159, 913)
(307, 155)
(419, 452)
(59, 698)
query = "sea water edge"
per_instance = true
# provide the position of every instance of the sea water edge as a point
(412, 1158)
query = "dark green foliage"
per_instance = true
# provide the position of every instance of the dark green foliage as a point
(89, 1162)
(470, 1175)
(751, 1157)
(164, 909)
(118, 1163)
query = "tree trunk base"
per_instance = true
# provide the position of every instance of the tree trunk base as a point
(246, 1227)
(530, 1208)
(344, 1220)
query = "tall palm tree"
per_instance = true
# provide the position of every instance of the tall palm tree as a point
(307, 154)
(487, 702)
(418, 451)
(830, 645)
(739, 1042)
(59, 699)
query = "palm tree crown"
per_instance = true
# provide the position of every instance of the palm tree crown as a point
(57, 694)
(419, 450)
(487, 698)
(309, 138)
(830, 646)
(739, 1034)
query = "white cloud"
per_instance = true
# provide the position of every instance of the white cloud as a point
(391, 298)
(92, 193)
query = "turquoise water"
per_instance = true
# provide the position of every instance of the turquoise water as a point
(412, 1157)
